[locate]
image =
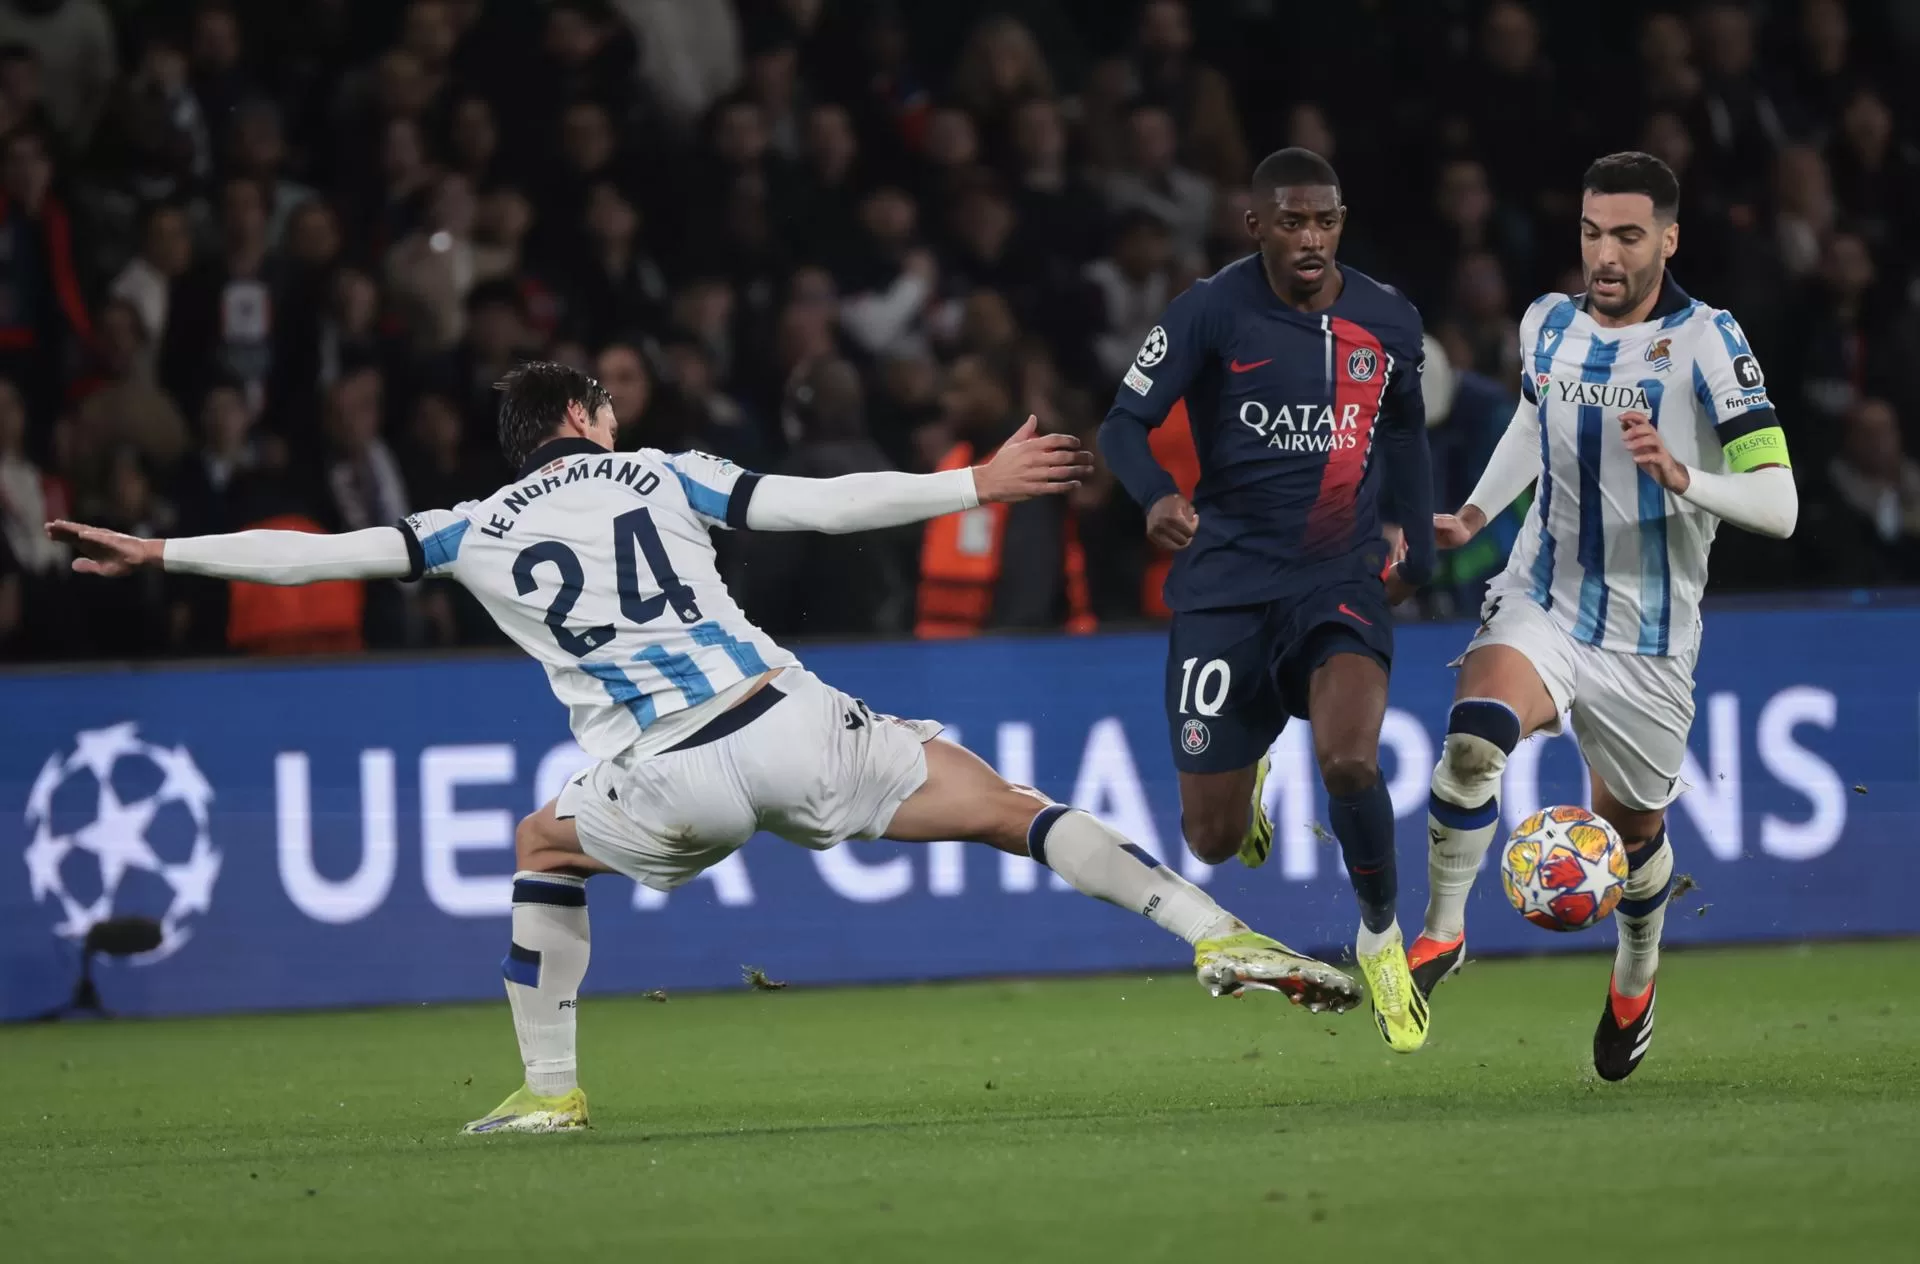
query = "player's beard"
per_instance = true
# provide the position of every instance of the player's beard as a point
(1639, 285)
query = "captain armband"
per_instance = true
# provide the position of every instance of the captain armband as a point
(1766, 446)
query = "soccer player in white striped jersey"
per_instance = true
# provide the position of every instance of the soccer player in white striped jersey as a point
(599, 565)
(1646, 424)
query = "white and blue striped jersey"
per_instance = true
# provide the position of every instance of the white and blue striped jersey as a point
(599, 565)
(1616, 559)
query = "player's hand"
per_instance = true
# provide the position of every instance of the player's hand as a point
(1171, 522)
(1650, 452)
(1451, 531)
(1396, 543)
(1032, 464)
(1398, 589)
(105, 552)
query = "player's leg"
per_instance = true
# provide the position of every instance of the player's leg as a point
(1345, 699)
(962, 797)
(545, 963)
(1632, 721)
(1222, 716)
(1514, 680)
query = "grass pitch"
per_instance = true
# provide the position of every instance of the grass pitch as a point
(1778, 1118)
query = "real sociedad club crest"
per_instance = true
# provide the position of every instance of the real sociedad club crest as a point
(1362, 364)
(1660, 354)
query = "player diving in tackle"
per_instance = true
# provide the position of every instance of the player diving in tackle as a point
(1646, 423)
(1292, 368)
(599, 565)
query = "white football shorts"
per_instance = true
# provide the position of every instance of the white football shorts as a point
(1631, 713)
(815, 767)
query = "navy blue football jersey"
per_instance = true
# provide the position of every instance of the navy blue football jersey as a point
(1292, 413)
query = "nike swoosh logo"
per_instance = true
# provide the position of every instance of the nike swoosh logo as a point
(1238, 367)
(1351, 615)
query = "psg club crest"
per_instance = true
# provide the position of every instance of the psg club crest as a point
(1660, 354)
(1363, 364)
(1194, 737)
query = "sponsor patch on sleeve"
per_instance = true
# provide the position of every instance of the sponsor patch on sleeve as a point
(1138, 381)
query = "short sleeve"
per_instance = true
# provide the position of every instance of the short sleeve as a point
(1168, 360)
(433, 539)
(717, 490)
(1731, 390)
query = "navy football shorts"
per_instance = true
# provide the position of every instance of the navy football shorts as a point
(1235, 675)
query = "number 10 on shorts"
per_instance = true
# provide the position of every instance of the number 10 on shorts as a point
(1208, 692)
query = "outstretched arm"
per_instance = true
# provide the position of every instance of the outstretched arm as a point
(284, 558)
(1513, 467)
(1026, 466)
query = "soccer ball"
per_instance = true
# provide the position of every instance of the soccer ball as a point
(1564, 868)
(117, 826)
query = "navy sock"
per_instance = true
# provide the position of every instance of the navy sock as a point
(1364, 826)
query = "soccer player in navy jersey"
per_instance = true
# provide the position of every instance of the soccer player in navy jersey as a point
(1301, 381)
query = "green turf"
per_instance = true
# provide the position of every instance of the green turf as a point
(1108, 1119)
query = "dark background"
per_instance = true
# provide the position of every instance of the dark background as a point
(261, 263)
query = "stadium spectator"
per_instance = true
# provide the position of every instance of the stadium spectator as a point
(795, 584)
(999, 69)
(619, 286)
(1164, 68)
(1151, 180)
(163, 141)
(431, 270)
(166, 252)
(44, 325)
(73, 43)
(1841, 356)
(28, 497)
(222, 315)
(827, 196)
(1739, 120)
(257, 147)
(1061, 215)
(996, 566)
(689, 54)
(1134, 285)
(473, 142)
(1871, 534)
(127, 409)
(1876, 178)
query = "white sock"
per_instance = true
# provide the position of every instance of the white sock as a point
(1369, 942)
(1100, 862)
(1638, 954)
(543, 968)
(1463, 815)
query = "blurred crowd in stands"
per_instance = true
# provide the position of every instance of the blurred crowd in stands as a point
(260, 264)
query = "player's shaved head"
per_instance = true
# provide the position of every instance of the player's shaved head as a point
(538, 403)
(1296, 220)
(1292, 168)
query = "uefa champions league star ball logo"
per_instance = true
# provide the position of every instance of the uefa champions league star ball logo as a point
(1154, 349)
(118, 827)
